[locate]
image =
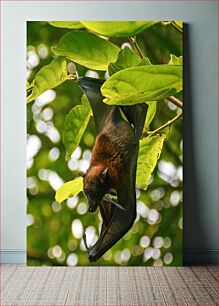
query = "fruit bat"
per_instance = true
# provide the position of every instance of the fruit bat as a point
(112, 170)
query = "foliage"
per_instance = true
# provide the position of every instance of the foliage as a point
(48, 77)
(55, 51)
(69, 189)
(87, 49)
(118, 28)
(149, 152)
(140, 84)
(75, 125)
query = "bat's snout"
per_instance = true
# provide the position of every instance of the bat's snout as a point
(91, 209)
(92, 206)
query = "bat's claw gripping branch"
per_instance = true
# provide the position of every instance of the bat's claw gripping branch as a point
(85, 241)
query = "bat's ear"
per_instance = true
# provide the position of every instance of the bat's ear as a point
(103, 175)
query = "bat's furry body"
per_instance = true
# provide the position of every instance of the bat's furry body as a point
(113, 165)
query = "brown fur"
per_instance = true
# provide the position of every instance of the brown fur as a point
(112, 151)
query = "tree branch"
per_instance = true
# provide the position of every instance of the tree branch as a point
(176, 26)
(165, 125)
(136, 46)
(72, 77)
(175, 101)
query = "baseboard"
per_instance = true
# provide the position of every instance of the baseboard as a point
(13, 256)
(190, 257)
(200, 257)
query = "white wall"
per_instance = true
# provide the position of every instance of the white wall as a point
(201, 132)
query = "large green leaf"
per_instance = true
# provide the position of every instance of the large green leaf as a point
(75, 125)
(87, 49)
(67, 24)
(149, 153)
(127, 59)
(139, 84)
(118, 28)
(69, 189)
(152, 108)
(49, 77)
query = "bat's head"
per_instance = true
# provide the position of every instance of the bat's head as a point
(95, 186)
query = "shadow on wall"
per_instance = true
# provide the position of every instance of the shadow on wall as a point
(193, 226)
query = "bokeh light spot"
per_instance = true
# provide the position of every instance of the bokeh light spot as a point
(92, 74)
(30, 220)
(175, 198)
(77, 228)
(144, 241)
(72, 260)
(45, 98)
(167, 242)
(153, 216)
(72, 202)
(168, 258)
(82, 208)
(54, 154)
(158, 242)
(71, 68)
(56, 207)
(156, 254)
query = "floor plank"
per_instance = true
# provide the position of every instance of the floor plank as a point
(108, 286)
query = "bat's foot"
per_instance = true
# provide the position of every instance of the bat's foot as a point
(91, 254)
(94, 254)
(92, 258)
(85, 241)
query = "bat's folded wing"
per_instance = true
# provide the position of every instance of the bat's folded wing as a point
(116, 222)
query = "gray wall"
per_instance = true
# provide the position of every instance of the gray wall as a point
(201, 96)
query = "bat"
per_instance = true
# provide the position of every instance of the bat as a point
(112, 170)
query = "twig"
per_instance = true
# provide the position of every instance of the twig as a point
(136, 46)
(176, 26)
(72, 77)
(165, 125)
(175, 101)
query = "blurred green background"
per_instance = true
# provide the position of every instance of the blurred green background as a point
(54, 231)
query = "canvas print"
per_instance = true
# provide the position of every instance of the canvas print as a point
(104, 143)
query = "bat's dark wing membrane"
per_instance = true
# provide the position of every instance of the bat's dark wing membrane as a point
(91, 88)
(136, 115)
(106, 211)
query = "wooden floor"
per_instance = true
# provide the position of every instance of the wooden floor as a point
(108, 286)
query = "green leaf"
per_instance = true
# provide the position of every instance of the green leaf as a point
(67, 24)
(149, 153)
(87, 49)
(75, 125)
(175, 60)
(118, 28)
(126, 59)
(179, 23)
(69, 189)
(152, 108)
(49, 77)
(139, 84)
(28, 85)
(84, 101)
(145, 61)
